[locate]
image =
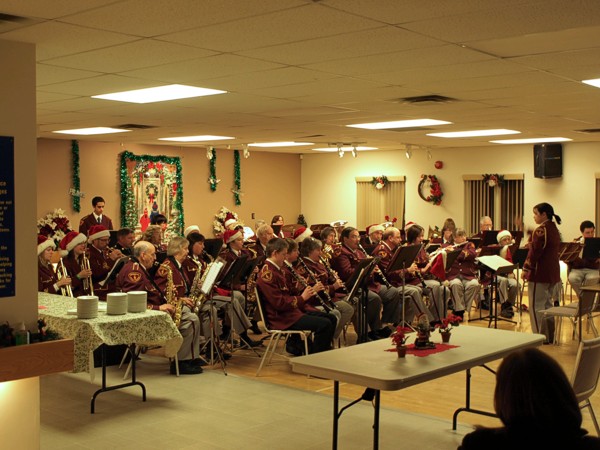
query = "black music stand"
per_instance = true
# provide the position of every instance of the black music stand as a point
(450, 258)
(519, 256)
(517, 236)
(369, 248)
(432, 248)
(591, 248)
(213, 247)
(402, 258)
(489, 237)
(476, 241)
(276, 229)
(359, 280)
(497, 266)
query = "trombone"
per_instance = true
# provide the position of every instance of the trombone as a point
(88, 285)
(61, 272)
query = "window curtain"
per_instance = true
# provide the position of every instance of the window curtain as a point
(597, 200)
(372, 205)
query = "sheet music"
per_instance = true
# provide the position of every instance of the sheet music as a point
(211, 277)
(494, 262)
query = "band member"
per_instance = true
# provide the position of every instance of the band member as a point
(508, 287)
(194, 265)
(584, 271)
(135, 277)
(101, 259)
(310, 252)
(47, 278)
(447, 229)
(345, 261)
(463, 273)
(264, 234)
(283, 311)
(73, 247)
(300, 234)
(125, 238)
(190, 230)
(542, 268)
(97, 217)
(373, 236)
(485, 224)
(278, 220)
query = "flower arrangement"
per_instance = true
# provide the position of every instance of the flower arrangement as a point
(448, 323)
(55, 225)
(223, 216)
(493, 179)
(435, 189)
(380, 182)
(399, 336)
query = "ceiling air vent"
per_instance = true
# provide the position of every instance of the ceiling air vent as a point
(134, 126)
(424, 99)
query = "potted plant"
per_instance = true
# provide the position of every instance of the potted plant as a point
(445, 327)
(399, 338)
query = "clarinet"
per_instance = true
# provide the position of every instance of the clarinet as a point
(420, 277)
(313, 278)
(304, 284)
(379, 271)
(333, 273)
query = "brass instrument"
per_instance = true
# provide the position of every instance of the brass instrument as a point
(377, 269)
(88, 285)
(61, 272)
(196, 294)
(171, 295)
(333, 273)
(207, 256)
(314, 279)
(304, 284)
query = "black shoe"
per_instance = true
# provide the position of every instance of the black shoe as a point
(255, 329)
(294, 349)
(384, 332)
(186, 368)
(198, 362)
(506, 314)
(372, 335)
(460, 314)
(485, 305)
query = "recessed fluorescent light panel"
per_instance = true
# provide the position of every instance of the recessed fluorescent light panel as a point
(279, 144)
(532, 140)
(159, 94)
(92, 131)
(473, 133)
(593, 82)
(206, 137)
(399, 124)
(345, 148)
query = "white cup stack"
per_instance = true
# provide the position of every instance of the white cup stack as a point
(136, 301)
(87, 307)
(116, 303)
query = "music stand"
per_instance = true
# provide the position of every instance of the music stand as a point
(517, 236)
(432, 248)
(450, 258)
(213, 247)
(489, 237)
(497, 266)
(369, 248)
(276, 229)
(359, 280)
(402, 258)
(519, 256)
(591, 248)
(476, 241)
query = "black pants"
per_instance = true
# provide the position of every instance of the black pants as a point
(321, 324)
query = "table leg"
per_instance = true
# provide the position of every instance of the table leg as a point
(336, 417)
(376, 420)
(467, 407)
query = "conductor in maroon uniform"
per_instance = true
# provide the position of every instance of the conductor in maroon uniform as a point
(97, 217)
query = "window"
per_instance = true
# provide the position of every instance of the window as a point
(372, 204)
(597, 200)
(503, 203)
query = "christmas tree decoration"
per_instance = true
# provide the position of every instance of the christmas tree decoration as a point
(213, 170)
(75, 190)
(237, 177)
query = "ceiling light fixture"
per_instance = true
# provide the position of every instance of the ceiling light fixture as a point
(246, 151)
(159, 94)
(279, 144)
(399, 124)
(408, 151)
(340, 151)
(429, 156)
(209, 154)
(202, 138)
(593, 82)
(92, 131)
(354, 152)
(345, 148)
(474, 133)
(532, 140)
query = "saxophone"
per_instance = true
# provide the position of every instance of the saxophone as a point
(171, 295)
(196, 293)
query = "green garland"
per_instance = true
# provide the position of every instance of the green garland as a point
(75, 159)
(237, 177)
(213, 170)
(127, 191)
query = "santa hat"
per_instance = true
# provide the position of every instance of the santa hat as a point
(231, 235)
(302, 233)
(503, 234)
(230, 224)
(43, 242)
(191, 229)
(373, 228)
(71, 240)
(438, 267)
(97, 232)
(408, 225)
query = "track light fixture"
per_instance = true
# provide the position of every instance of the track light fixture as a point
(354, 152)
(246, 151)
(408, 151)
(340, 150)
(429, 156)
(209, 152)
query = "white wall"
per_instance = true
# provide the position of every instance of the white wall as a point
(329, 189)
(20, 399)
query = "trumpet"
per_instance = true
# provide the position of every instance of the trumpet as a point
(88, 284)
(61, 272)
(377, 269)
(314, 279)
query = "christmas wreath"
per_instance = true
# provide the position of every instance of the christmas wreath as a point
(379, 182)
(493, 179)
(435, 190)
(151, 194)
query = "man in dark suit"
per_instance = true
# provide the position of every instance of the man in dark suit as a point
(96, 218)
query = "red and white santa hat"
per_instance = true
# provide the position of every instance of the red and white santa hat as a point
(503, 234)
(302, 233)
(71, 240)
(373, 228)
(43, 242)
(230, 224)
(231, 235)
(408, 225)
(97, 232)
(191, 229)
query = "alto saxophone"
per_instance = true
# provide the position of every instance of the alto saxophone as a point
(196, 294)
(171, 295)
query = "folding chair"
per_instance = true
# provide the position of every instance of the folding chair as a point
(584, 308)
(585, 375)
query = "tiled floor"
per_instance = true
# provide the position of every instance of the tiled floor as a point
(213, 411)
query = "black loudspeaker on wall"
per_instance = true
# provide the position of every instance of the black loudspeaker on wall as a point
(547, 160)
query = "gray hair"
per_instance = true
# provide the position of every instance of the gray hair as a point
(176, 244)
